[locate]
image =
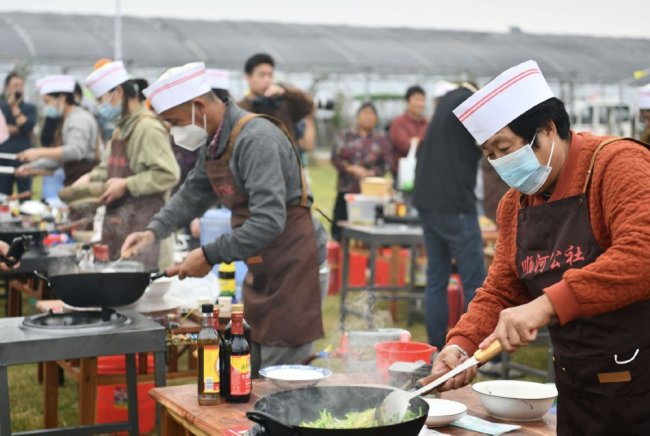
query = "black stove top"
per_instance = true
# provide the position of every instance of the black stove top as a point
(85, 320)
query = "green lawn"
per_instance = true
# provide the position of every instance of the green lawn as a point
(27, 396)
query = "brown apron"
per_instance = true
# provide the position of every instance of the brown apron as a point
(602, 363)
(128, 214)
(281, 290)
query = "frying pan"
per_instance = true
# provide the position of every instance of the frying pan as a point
(99, 289)
(280, 414)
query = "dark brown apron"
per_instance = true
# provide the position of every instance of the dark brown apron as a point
(602, 363)
(281, 290)
(128, 214)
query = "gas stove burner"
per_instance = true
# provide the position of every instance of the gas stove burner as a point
(81, 321)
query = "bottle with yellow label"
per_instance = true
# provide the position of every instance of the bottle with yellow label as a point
(239, 367)
(227, 283)
(208, 350)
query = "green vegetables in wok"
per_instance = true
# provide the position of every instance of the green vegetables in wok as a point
(365, 419)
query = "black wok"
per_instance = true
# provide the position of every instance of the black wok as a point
(10, 231)
(280, 414)
(99, 289)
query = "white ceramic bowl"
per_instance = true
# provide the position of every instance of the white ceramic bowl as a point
(514, 400)
(158, 288)
(444, 412)
(294, 376)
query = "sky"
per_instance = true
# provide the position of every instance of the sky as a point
(622, 18)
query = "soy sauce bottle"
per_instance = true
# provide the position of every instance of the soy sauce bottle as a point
(239, 362)
(237, 308)
(208, 350)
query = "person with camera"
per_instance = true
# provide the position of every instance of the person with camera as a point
(286, 103)
(21, 119)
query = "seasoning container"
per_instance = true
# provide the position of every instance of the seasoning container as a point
(227, 333)
(239, 363)
(227, 282)
(208, 357)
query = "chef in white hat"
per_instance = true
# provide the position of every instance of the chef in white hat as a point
(248, 164)
(139, 169)
(572, 255)
(644, 112)
(79, 148)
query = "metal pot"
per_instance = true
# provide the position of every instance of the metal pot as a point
(280, 414)
(99, 289)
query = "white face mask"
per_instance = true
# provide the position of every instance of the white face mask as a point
(191, 136)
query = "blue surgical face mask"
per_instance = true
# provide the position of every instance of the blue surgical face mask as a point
(108, 112)
(53, 112)
(521, 170)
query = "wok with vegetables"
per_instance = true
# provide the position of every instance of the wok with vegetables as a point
(332, 410)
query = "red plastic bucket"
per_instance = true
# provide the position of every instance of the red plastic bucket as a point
(112, 400)
(390, 352)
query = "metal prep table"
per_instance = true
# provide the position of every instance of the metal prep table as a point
(375, 237)
(19, 345)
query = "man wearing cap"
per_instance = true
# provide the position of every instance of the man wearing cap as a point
(139, 169)
(249, 165)
(80, 147)
(644, 112)
(572, 255)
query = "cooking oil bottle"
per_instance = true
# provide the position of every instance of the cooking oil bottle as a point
(208, 347)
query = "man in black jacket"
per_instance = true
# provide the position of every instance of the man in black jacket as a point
(444, 196)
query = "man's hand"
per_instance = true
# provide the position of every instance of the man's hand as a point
(29, 155)
(448, 359)
(194, 265)
(359, 172)
(518, 325)
(274, 90)
(4, 248)
(115, 189)
(83, 180)
(136, 242)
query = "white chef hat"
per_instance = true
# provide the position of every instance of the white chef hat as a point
(218, 78)
(644, 97)
(55, 83)
(178, 85)
(106, 77)
(509, 95)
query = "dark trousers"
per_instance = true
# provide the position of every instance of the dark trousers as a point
(340, 214)
(7, 180)
(447, 236)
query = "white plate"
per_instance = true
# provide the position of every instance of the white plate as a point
(294, 376)
(444, 412)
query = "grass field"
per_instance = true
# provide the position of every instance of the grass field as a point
(27, 396)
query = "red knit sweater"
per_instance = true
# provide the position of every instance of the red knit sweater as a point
(619, 208)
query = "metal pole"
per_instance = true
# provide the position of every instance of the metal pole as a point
(117, 30)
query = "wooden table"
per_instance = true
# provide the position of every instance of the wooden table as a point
(182, 415)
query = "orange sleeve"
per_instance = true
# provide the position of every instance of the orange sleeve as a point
(502, 287)
(620, 216)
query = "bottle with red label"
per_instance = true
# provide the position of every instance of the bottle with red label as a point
(227, 332)
(239, 365)
(208, 350)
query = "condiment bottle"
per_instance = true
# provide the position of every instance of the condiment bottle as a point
(239, 363)
(227, 283)
(237, 308)
(208, 351)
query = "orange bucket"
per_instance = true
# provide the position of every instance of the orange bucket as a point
(390, 352)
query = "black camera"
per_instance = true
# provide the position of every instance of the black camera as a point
(267, 105)
(18, 95)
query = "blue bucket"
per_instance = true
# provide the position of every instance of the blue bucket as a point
(214, 223)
